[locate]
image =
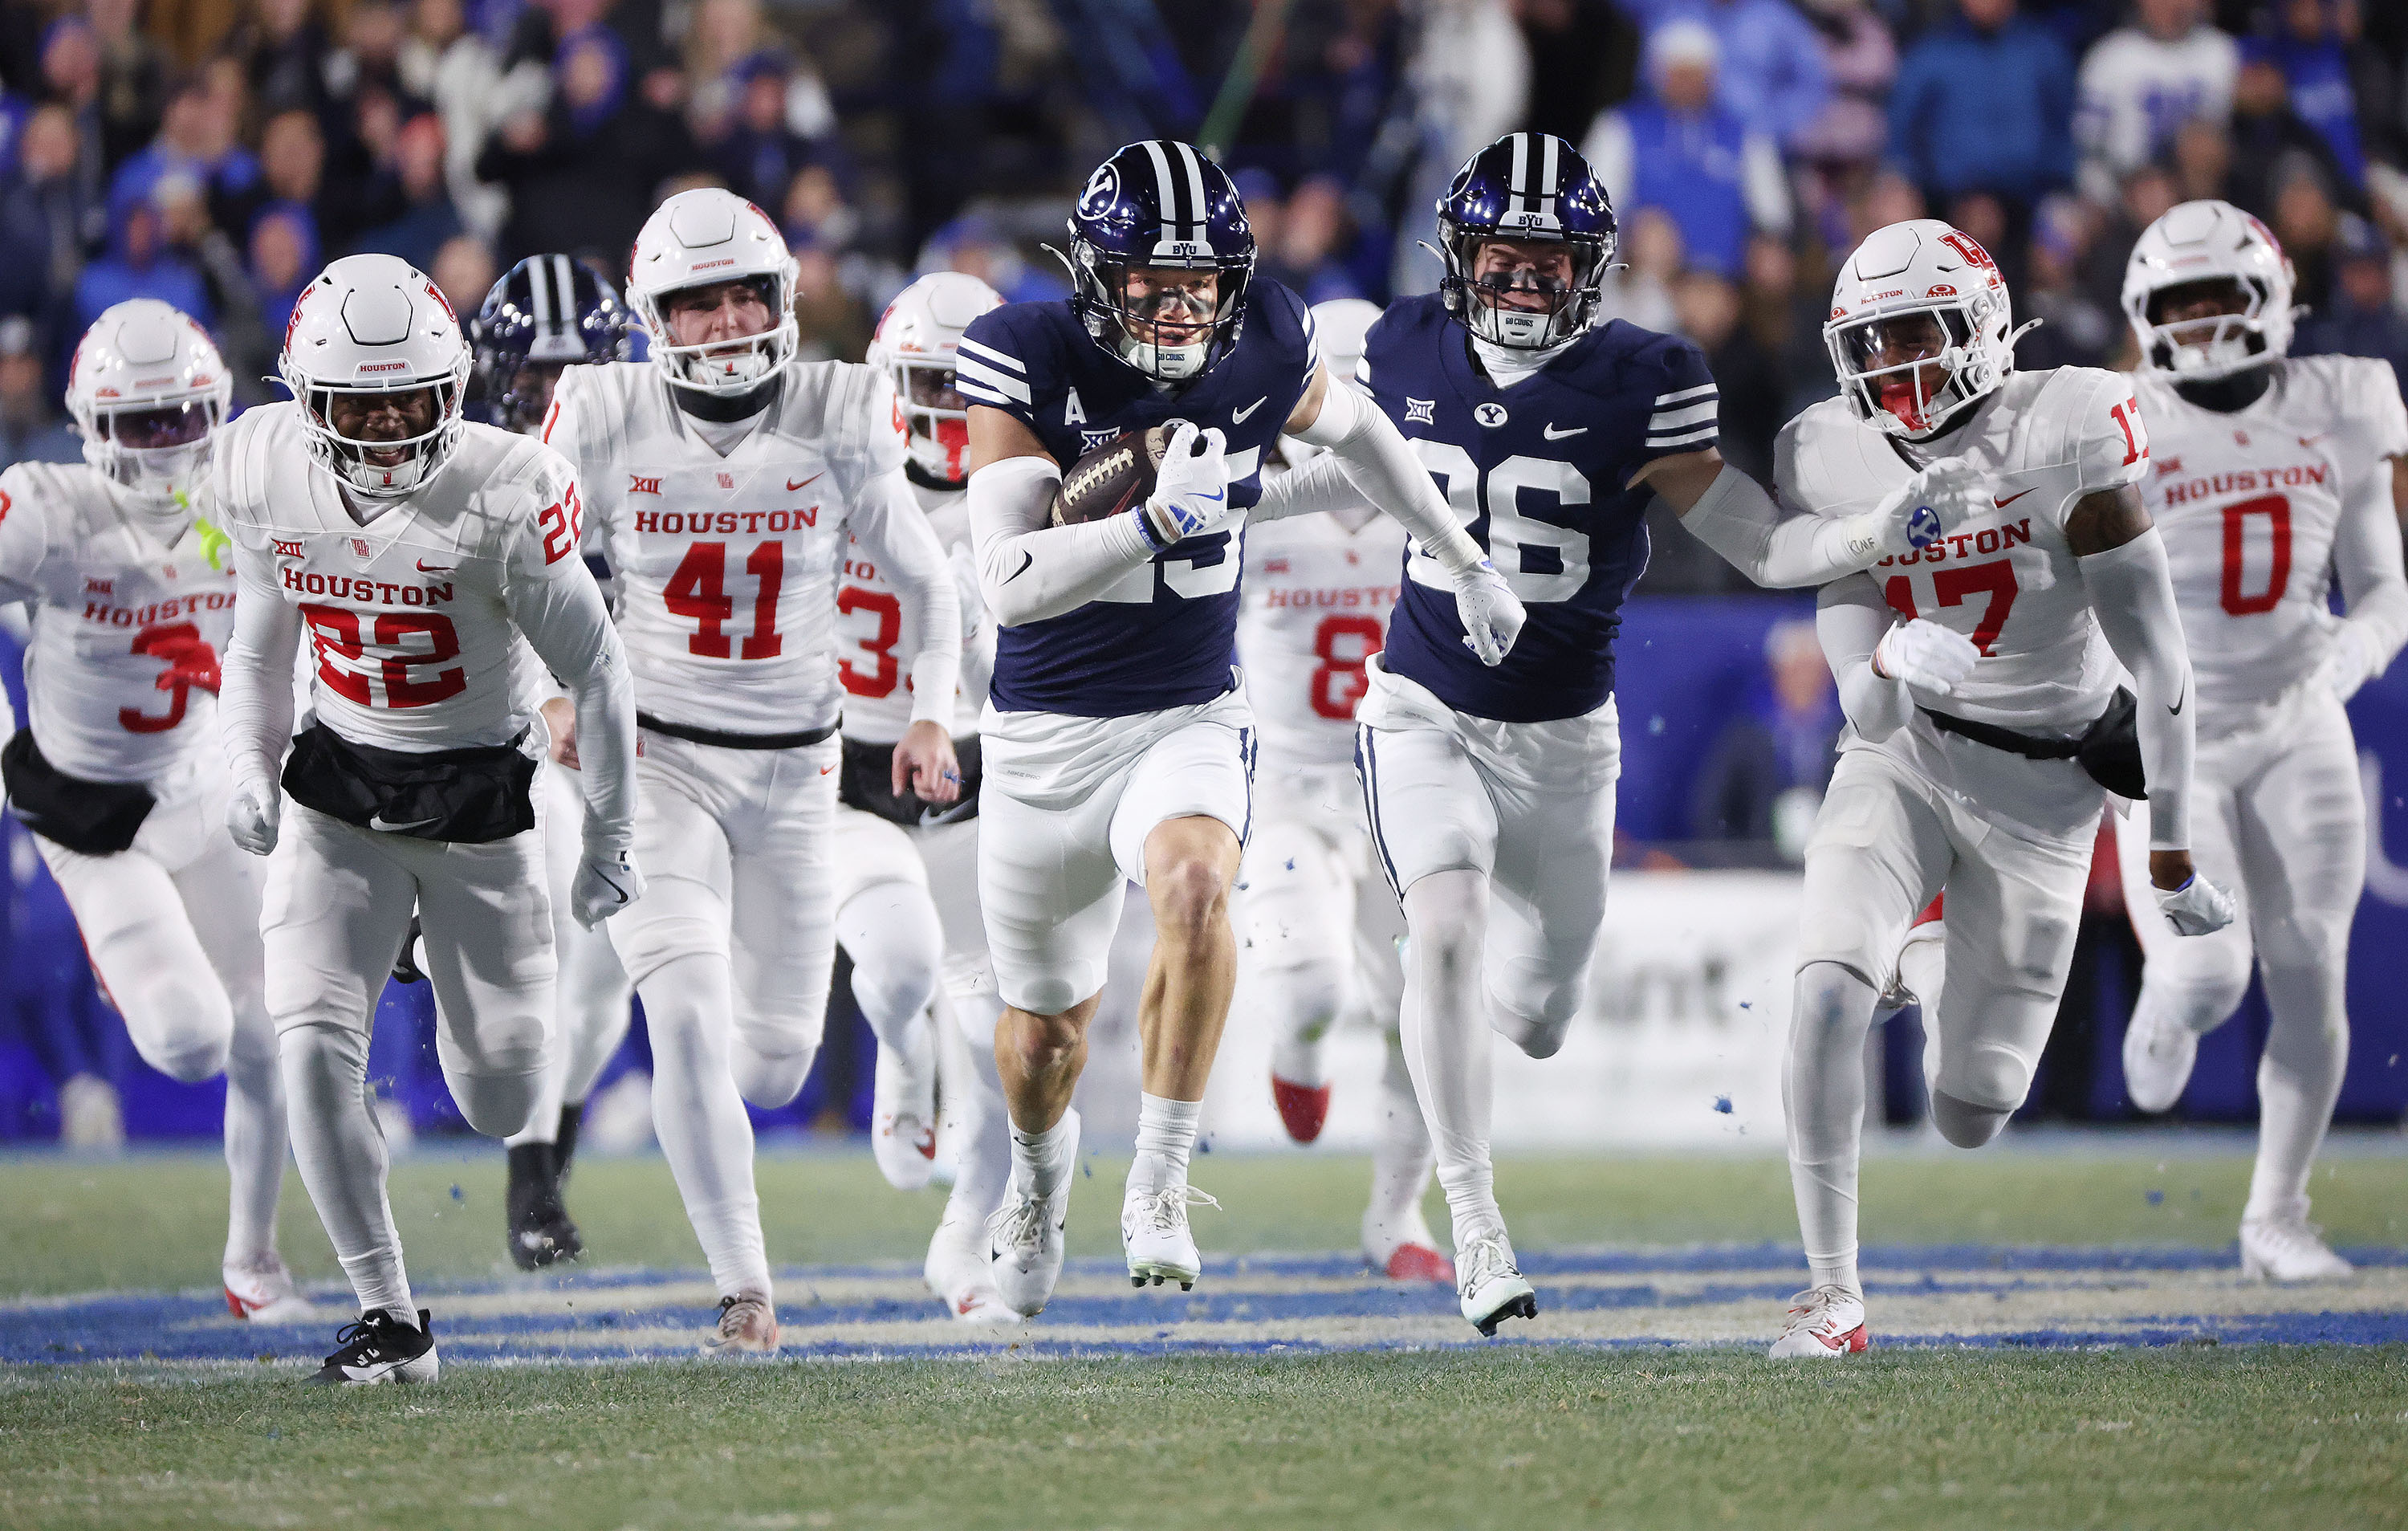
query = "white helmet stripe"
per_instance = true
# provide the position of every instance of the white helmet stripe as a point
(540, 285)
(1166, 189)
(563, 284)
(1547, 188)
(1195, 165)
(1517, 184)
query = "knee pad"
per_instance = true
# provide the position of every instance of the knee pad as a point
(1981, 1077)
(1965, 1124)
(495, 1105)
(183, 1029)
(2201, 999)
(650, 941)
(1535, 1038)
(769, 1081)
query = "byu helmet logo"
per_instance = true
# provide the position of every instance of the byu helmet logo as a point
(1103, 187)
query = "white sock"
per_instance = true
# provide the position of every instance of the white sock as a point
(1300, 1003)
(543, 1117)
(982, 1147)
(1446, 1042)
(2298, 1079)
(1166, 1134)
(1401, 1155)
(1042, 1160)
(700, 1118)
(256, 1137)
(1823, 1090)
(340, 1148)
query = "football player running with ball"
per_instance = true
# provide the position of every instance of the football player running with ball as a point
(1490, 790)
(1985, 719)
(1322, 932)
(118, 771)
(415, 550)
(729, 478)
(2269, 470)
(907, 870)
(1117, 743)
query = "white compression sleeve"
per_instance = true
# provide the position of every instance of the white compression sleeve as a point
(1321, 485)
(255, 693)
(1381, 462)
(892, 526)
(1031, 570)
(2367, 556)
(570, 630)
(1849, 620)
(2133, 594)
(1739, 520)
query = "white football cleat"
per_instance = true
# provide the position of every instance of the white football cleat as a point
(748, 1325)
(262, 1293)
(1026, 1241)
(903, 1116)
(1489, 1286)
(958, 1271)
(2158, 1052)
(1156, 1236)
(1824, 1322)
(2285, 1251)
(90, 1116)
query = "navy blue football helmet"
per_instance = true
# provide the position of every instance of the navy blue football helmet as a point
(1526, 187)
(1160, 204)
(548, 311)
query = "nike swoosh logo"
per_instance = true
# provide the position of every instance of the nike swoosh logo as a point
(825, 769)
(2012, 498)
(376, 821)
(1238, 417)
(2176, 707)
(1551, 434)
(438, 568)
(792, 486)
(1026, 559)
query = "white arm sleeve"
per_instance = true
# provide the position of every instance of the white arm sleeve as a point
(1321, 485)
(2367, 555)
(889, 523)
(2133, 594)
(1030, 570)
(255, 690)
(1739, 520)
(570, 629)
(1383, 467)
(1849, 620)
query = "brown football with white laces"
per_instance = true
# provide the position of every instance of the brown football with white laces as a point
(1112, 477)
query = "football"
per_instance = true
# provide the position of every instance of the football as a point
(1110, 479)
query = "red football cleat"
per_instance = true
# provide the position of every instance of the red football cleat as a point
(1420, 1263)
(1304, 1109)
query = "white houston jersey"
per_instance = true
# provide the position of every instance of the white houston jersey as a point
(2249, 503)
(107, 596)
(875, 647)
(408, 618)
(1317, 600)
(727, 566)
(2007, 578)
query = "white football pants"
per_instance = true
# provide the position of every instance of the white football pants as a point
(590, 1013)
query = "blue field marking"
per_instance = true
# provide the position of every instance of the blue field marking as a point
(1988, 1296)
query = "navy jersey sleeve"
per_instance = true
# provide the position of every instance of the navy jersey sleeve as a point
(1001, 351)
(1684, 418)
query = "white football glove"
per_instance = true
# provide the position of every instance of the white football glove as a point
(1490, 612)
(2198, 907)
(251, 817)
(607, 882)
(1191, 489)
(2352, 661)
(1927, 507)
(1926, 656)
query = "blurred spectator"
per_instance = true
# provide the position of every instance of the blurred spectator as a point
(139, 264)
(2360, 318)
(834, 326)
(1678, 150)
(132, 78)
(974, 245)
(2149, 193)
(71, 76)
(287, 50)
(293, 169)
(2075, 329)
(2140, 84)
(814, 209)
(427, 217)
(2271, 145)
(2202, 160)
(48, 212)
(1583, 55)
(284, 256)
(193, 238)
(757, 151)
(197, 139)
(1710, 314)
(14, 109)
(31, 427)
(2317, 67)
(584, 174)
(2309, 226)
(463, 268)
(1785, 315)
(1860, 60)
(444, 63)
(1772, 77)
(1640, 291)
(1982, 105)
(1310, 230)
(1765, 775)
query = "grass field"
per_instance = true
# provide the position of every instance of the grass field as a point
(1284, 1393)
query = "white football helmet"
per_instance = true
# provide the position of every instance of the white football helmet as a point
(2210, 243)
(919, 344)
(1930, 292)
(147, 390)
(375, 325)
(701, 238)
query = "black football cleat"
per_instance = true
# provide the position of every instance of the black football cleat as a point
(540, 1233)
(379, 1349)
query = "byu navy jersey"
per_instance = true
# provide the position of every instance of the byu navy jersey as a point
(1167, 635)
(1536, 473)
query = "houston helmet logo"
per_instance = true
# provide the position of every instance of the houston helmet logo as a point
(1967, 246)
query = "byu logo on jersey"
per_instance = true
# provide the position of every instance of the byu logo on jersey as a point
(1491, 415)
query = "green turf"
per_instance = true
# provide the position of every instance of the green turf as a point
(158, 1221)
(1507, 1438)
